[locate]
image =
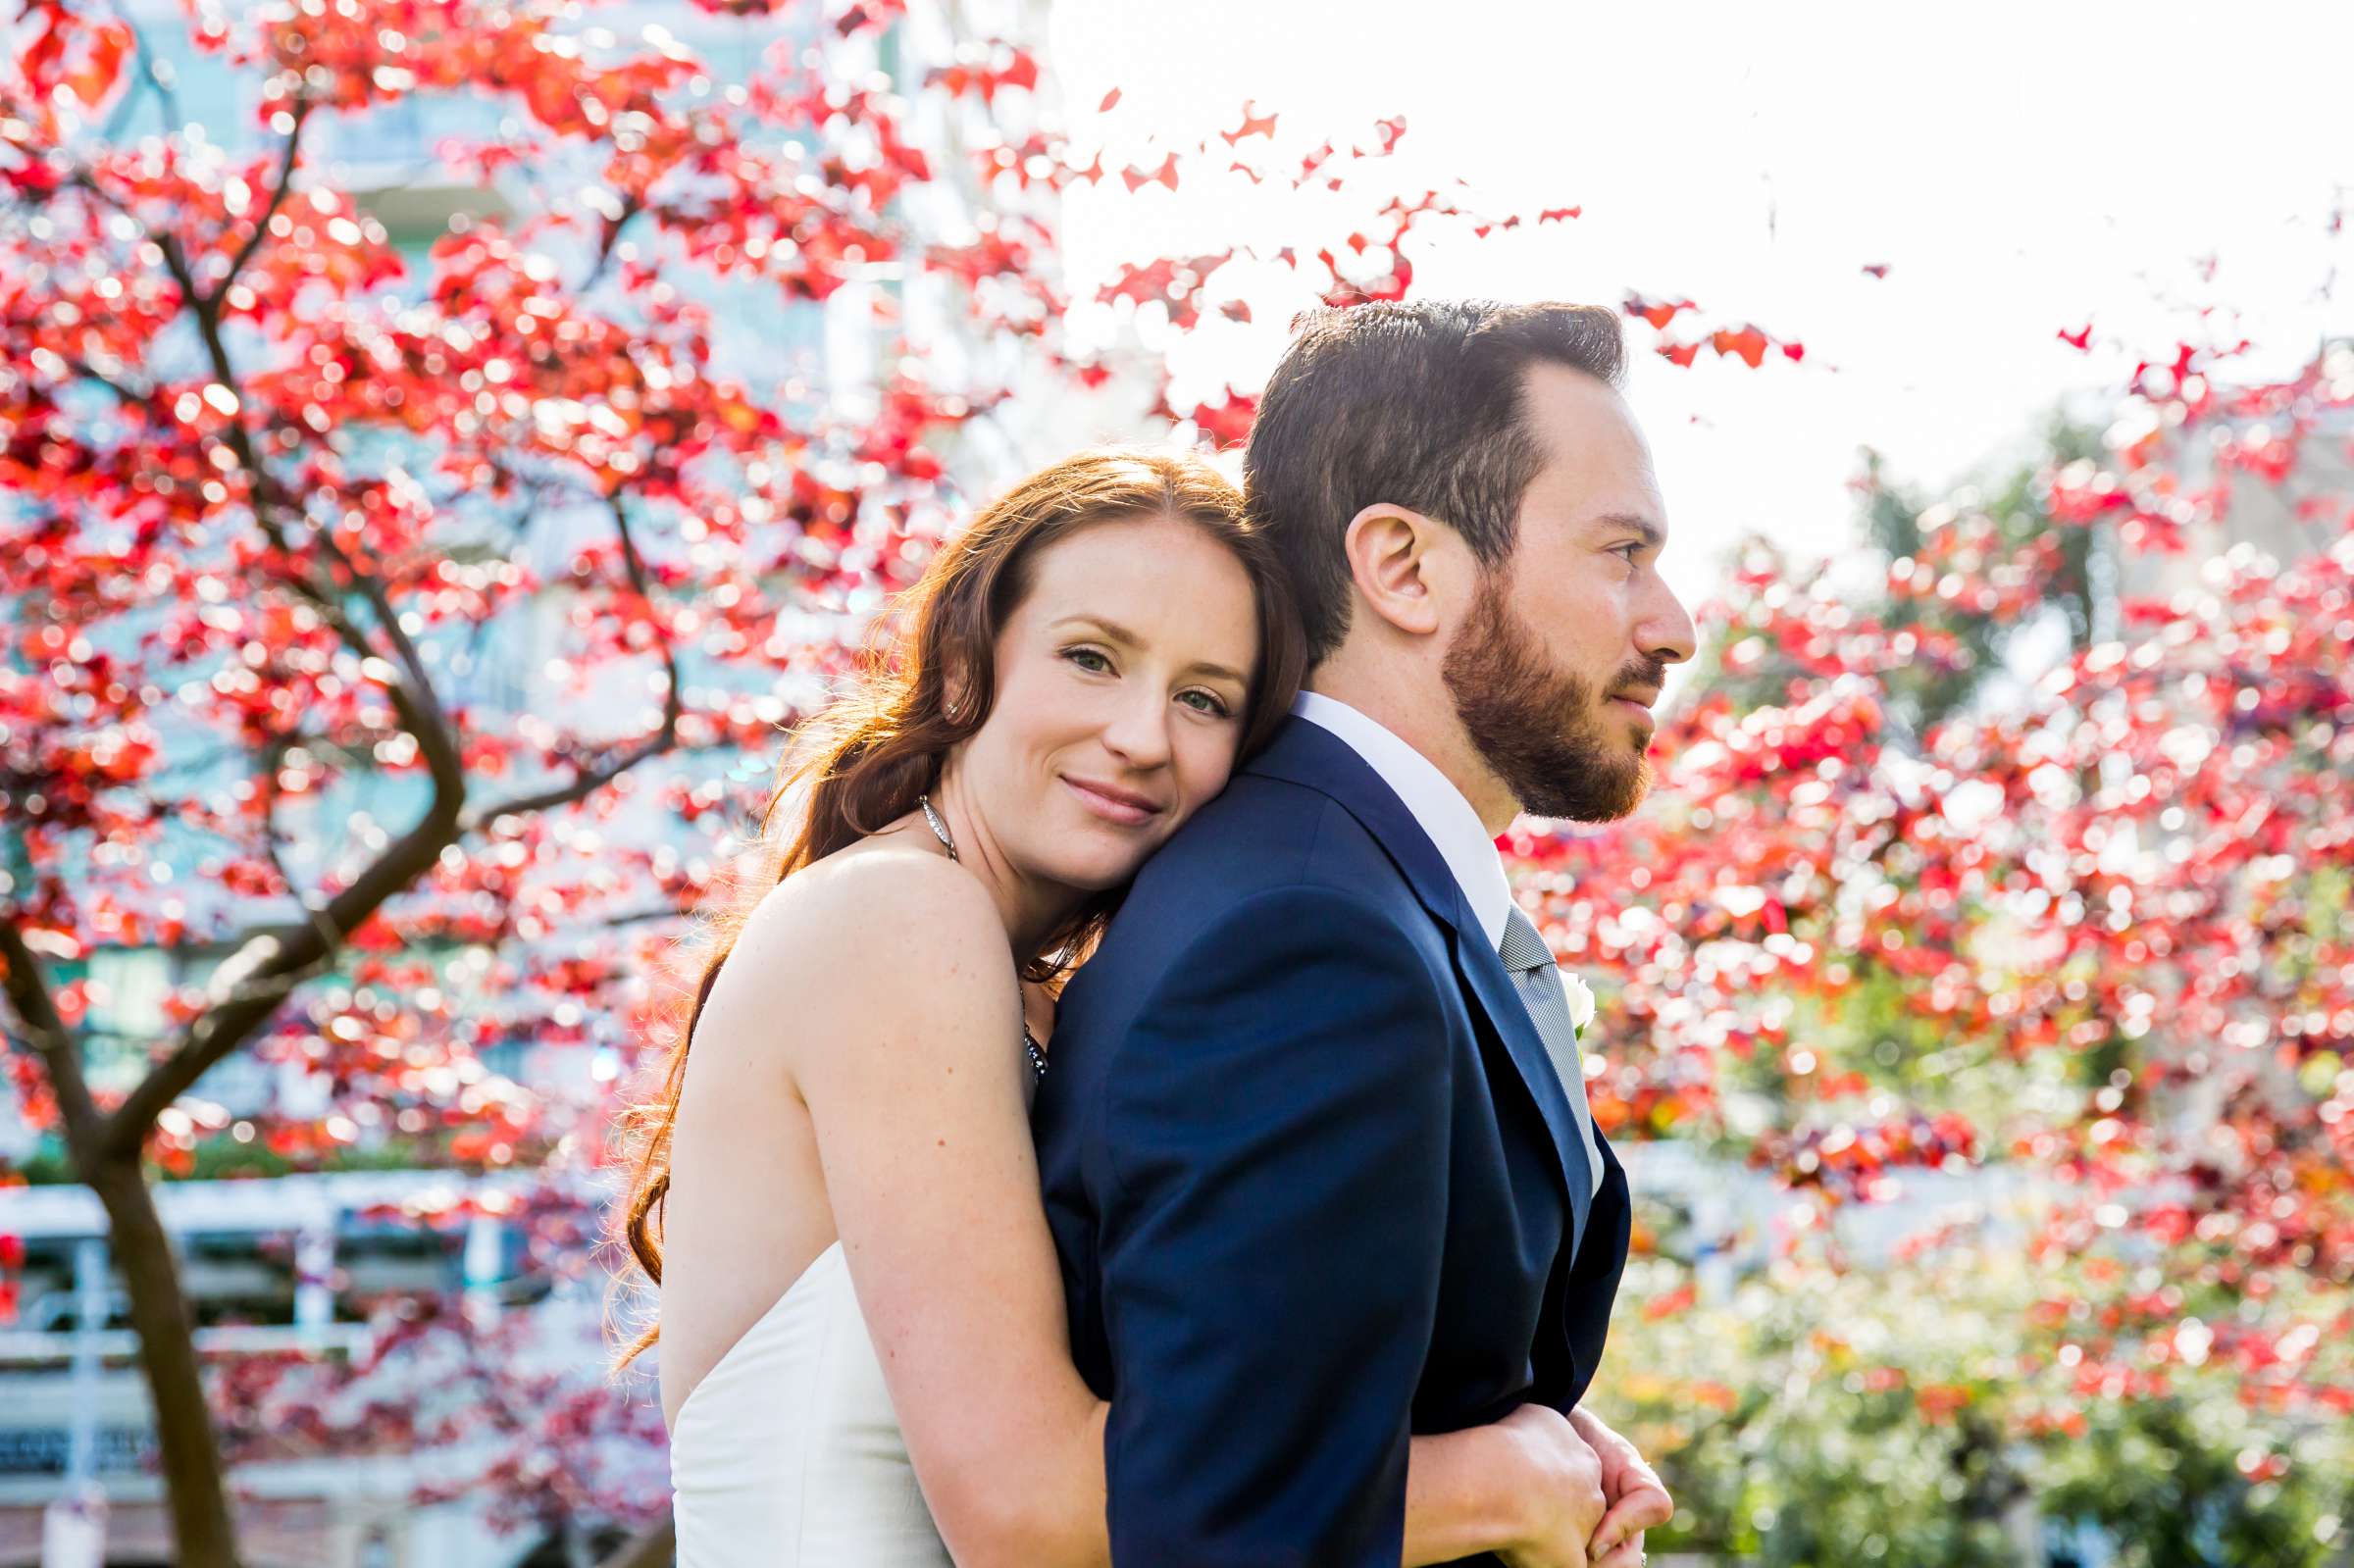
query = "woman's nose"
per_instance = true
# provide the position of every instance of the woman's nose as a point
(1139, 734)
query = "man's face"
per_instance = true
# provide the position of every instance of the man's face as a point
(1555, 670)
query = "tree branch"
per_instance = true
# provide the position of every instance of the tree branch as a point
(273, 759)
(167, 102)
(589, 779)
(642, 916)
(90, 373)
(51, 1040)
(371, 587)
(630, 208)
(278, 196)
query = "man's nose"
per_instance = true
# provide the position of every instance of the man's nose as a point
(1667, 633)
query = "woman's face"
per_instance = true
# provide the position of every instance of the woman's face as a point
(1121, 680)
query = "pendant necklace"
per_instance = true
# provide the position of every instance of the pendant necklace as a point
(940, 830)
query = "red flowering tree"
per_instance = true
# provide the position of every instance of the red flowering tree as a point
(2062, 938)
(286, 505)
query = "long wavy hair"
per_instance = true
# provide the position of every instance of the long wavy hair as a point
(914, 696)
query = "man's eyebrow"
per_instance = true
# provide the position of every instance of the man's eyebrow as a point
(1653, 535)
(1120, 633)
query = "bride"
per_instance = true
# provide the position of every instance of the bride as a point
(865, 1361)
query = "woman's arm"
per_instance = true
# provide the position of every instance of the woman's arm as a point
(915, 1090)
(908, 1019)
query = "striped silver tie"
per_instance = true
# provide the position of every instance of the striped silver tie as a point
(1539, 983)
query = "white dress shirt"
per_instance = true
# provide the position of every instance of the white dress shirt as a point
(1462, 840)
(1439, 807)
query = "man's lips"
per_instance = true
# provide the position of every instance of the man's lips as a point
(1111, 801)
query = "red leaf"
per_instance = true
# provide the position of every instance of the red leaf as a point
(1110, 98)
(1876, 269)
(1389, 130)
(1747, 344)
(1553, 215)
(1226, 423)
(1165, 175)
(1680, 353)
(1253, 124)
(96, 79)
(2080, 338)
(1657, 312)
(1235, 311)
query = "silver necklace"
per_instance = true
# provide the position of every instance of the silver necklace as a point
(940, 830)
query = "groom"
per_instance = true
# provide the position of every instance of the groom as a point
(1316, 1147)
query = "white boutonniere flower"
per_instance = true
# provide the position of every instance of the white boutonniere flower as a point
(1581, 1004)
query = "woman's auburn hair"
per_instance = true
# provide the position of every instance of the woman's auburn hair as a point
(864, 759)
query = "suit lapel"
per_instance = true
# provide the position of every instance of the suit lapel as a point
(1484, 970)
(1306, 753)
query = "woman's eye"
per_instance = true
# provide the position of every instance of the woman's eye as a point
(1088, 659)
(1209, 702)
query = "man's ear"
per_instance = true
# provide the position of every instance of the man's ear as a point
(1408, 568)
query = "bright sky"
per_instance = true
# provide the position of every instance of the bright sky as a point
(2020, 168)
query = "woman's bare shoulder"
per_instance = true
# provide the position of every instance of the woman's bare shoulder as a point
(876, 892)
(884, 938)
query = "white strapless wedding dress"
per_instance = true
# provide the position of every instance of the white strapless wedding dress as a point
(788, 1452)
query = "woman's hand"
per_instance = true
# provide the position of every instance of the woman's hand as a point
(1637, 1499)
(1557, 1479)
(1526, 1488)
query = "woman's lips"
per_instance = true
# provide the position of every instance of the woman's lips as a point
(1112, 805)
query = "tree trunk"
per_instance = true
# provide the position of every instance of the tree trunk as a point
(654, 1547)
(159, 1313)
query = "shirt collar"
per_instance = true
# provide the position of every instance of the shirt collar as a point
(1438, 806)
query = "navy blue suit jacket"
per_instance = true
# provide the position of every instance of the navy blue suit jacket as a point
(1314, 1184)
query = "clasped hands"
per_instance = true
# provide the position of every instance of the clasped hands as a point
(1600, 1498)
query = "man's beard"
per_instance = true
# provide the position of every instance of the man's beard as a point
(1538, 726)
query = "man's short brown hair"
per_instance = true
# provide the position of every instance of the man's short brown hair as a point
(1418, 404)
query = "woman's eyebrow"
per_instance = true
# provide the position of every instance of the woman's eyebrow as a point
(1110, 628)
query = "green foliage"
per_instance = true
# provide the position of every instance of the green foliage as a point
(2167, 1480)
(1921, 1414)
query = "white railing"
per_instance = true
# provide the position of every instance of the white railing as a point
(20, 1348)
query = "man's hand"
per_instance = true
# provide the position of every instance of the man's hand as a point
(1631, 1488)
(1557, 1490)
